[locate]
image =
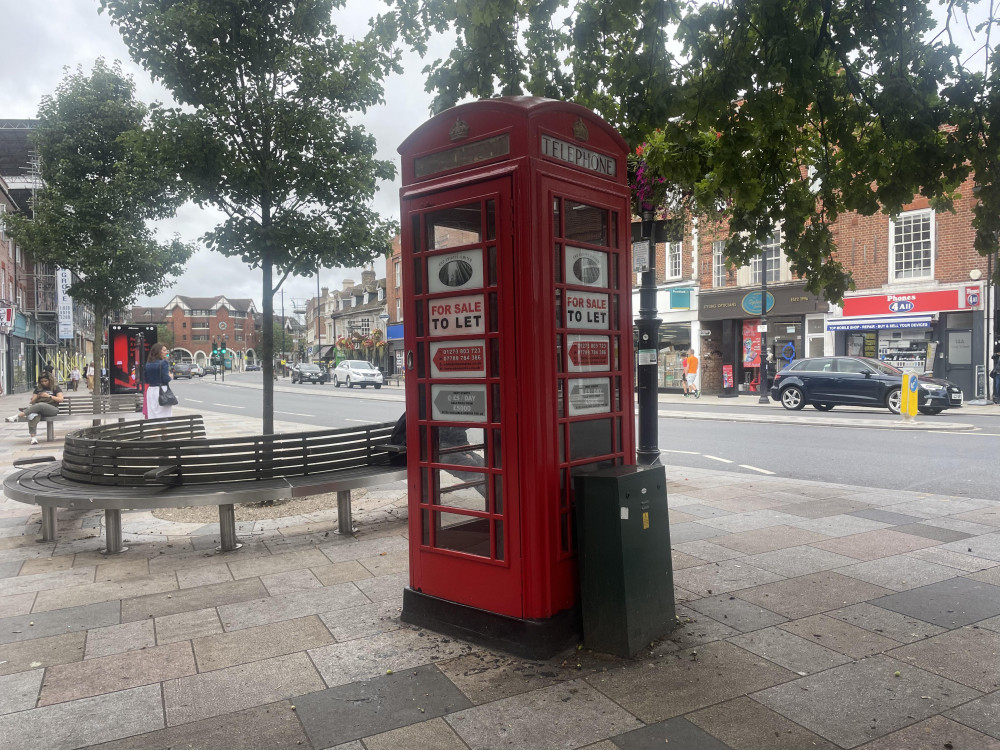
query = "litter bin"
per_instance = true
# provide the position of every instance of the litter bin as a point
(623, 548)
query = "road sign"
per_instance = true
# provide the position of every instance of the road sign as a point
(452, 316)
(452, 403)
(458, 359)
(589, 353)
(589, 396)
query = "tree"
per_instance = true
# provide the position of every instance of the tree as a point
(99, 192)
(265, 90)
(768, 112)
(165, 335)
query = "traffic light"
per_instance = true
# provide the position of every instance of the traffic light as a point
(222, 348)
(215, 349)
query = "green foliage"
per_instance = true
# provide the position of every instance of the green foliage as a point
(165, 335)
(99, 192)
(763, 113)
(266, 90)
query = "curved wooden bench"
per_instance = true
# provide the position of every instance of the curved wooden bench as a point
(169, 463)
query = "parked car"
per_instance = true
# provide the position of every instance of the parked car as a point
(198, 370)
(210, 370)
(309, 372)
(253, 368)
(826, 382)
(183, 370)
(354, 372)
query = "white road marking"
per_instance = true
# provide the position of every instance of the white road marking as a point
(754, 468)
(716, 458)
(294, 414)
(980, 434)
(194, 400)
(689, 453)
(230, 406)
(363, 421)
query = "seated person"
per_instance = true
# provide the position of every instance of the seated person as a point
(45, 402)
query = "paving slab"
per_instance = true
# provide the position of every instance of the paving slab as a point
(17, 604)
(262, 611)
(935, 733)
(426, 735)
(271, 727)
(745, 724)
(982, 714)
(694, 531)
(947, 604)
(884, 622)
(262, 642)
(279, 563)
(899, 572)
(873, 545)
(186, 626)
(561, 716)
(811, 594)
(188, 600)
(798, 561)
(839, 525)
(389, 701)
(705, 551)
(340, 572)
(120, 570)
(42, 652)
(225, 691)
(840, 636)
(353, 549)
(289, 582)
(985, 545)
(929, 531)
(678, 731)
(9, 569)
(885, 516)
(824, 508)
(203, 575)
(969, 655)
(366, 658)
(67, 682)
(19, 692)
(67, 726)
(104, 592)
(769, 539)
(675, 684)
(118, 639)
(384, 588)
(722, 577)
(736, 613)
(46, 579)
(862, 701)
(784, 648)
(43, 624)
(692, 631)
(359, 622)
(967, 563)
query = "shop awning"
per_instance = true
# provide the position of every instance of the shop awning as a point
(897, 322)
(326, 351)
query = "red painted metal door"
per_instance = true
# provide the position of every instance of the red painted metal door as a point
(458, 275)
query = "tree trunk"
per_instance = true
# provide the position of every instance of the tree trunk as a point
(267, 344)
(98, 356)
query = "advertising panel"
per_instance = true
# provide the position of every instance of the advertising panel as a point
(128, 347)
(64, 303)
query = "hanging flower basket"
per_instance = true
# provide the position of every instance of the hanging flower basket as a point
(649, 192)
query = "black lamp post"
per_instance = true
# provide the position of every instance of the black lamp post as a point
(648, 328)
(763, 330)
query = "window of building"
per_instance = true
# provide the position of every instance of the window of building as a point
(399, 309)
(674, 250)
(398, 273)
(719, 263)
(381, 294)
(912, 252)
(770, 251)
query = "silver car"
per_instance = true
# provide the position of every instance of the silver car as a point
(354, 372)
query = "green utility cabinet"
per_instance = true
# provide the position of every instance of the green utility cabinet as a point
(626, 574)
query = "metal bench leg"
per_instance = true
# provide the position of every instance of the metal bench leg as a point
(227, 528)
(48, 523)
(50, 430)
(345, 524)
(113, 531)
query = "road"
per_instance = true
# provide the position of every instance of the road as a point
(961, 463)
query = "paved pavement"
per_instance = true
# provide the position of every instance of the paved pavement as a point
(812, 615)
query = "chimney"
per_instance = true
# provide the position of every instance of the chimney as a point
(348, 284)
(368, 277)
(326, 291)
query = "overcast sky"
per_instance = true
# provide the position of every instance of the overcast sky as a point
(42, 37)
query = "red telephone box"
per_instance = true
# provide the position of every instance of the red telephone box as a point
(516, 283)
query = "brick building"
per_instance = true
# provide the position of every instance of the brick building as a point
(196, 322)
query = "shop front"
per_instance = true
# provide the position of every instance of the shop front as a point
(939, 331)
(678, 309)
(732, 336)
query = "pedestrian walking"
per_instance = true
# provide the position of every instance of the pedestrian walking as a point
(74, 378)
(684, 376)
(45, 400)
(691, 375)
(995, 374)
(156, 373)
(90, 377)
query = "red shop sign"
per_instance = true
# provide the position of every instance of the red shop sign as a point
(915, 302)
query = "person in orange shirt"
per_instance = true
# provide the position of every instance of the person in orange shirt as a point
(691, 375)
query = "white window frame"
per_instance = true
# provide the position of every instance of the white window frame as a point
(908, 216)
(719, 275)
(771, 247)
(674, 261)
(399, 309)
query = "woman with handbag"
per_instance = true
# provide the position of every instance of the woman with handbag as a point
(45, 402)
(159, 399)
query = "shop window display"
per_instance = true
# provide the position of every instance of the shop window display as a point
(674, 344)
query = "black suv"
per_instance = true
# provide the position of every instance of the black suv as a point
(308, 372)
